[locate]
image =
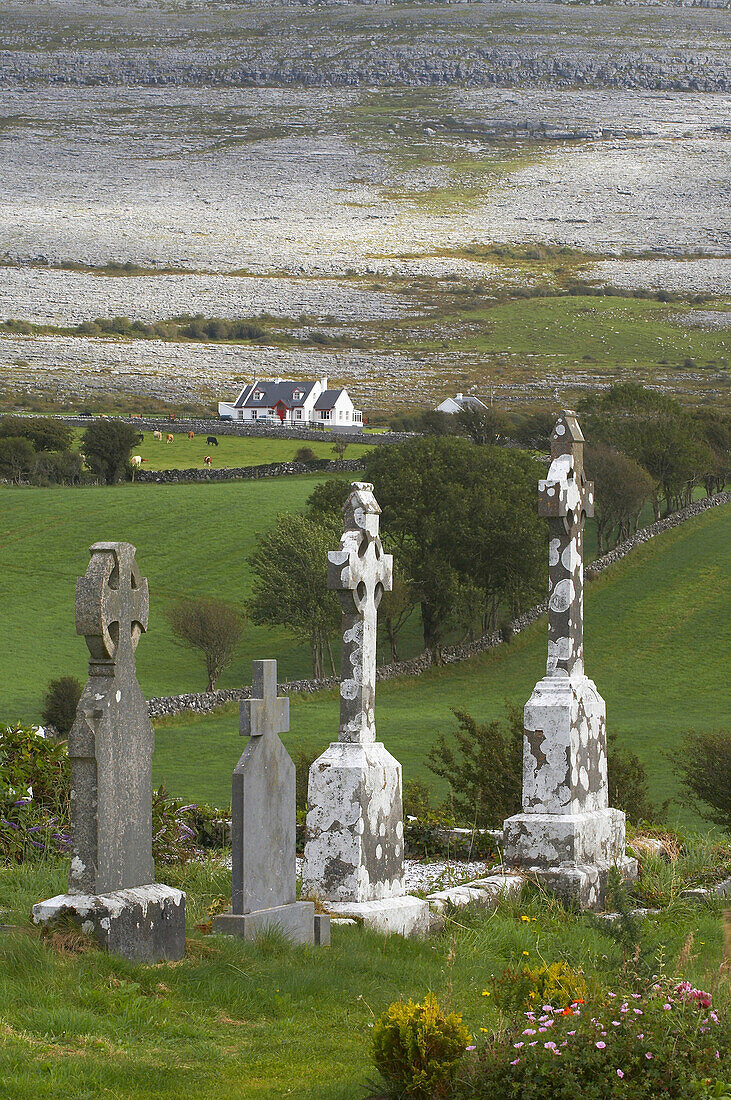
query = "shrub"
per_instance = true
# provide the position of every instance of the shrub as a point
(555, 984)
(60, 703)
(417, 1049)
(305, 454)
(662, 1039)
(417, 798)
(703, 764)
(34, 795)
(173, 839)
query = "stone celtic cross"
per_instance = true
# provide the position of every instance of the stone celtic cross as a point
(263, 803)
(566, 498)
(111, 741)
(112, 606)
(360, 572)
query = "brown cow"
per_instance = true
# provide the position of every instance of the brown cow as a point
(207, 461)
(191, 435)
(169, 438)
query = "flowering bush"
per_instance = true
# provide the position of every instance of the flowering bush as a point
(34, 795)
(665, 1040)
(556, 985)
(418, 1049)
(173, 839)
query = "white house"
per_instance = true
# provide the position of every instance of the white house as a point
(460, 402)
(283, 403)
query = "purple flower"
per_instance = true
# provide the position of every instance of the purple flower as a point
(619, 1073)
(550, 1046)
(518, 1045)
(648, 1055)
(515, 1062)
(600, 1045)
(667, 1007)
(473, 1047)
(529, 1031)
(637, 1011)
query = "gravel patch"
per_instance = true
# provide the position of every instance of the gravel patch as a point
(712, 276)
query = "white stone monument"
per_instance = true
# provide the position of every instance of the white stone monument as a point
(354, 855)
(568, 837)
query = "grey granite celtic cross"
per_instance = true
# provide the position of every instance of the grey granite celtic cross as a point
(566, 498)
(110, 744)
(112, 891)
(360, 572)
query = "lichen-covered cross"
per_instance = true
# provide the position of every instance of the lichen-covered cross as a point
(360, 572)
(112, 606)
(566, 498)
(265, 712)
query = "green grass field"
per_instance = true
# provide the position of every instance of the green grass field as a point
(231, 451)
(236, 1020)
(190, 539)
(657, 645)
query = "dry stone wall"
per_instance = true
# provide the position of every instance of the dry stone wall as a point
(248, 473)
(230, 427)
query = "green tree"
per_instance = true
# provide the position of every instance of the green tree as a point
(107, 446)
(621, 488)
(461, 518)
(60, 702)
(45, 433)
(716, 430)
(326, 500)
(395, 609)
(483, 426)
(212, 626)
(16, 457)
(290, 589)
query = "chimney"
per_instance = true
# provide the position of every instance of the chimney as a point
(459, 396)
(323, 382)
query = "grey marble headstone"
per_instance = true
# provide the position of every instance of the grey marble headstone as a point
(567, 836)
(354, 854)
(264, 824)
(112, 889)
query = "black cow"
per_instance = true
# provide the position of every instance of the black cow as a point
(211, 441)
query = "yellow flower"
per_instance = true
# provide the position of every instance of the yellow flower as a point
(486, 993)
(526, 952)
(526, 918)
(484, 1029)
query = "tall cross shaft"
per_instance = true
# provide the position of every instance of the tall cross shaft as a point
(360, 572)
(566, 498)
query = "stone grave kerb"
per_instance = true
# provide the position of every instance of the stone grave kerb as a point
(263, 807)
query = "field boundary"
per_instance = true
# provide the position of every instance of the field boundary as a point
(247, 473)
(205, 702)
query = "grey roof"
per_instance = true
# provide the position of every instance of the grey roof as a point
(272, 393)
(469, 399)
(327, 399)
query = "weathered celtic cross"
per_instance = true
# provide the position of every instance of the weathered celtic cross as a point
(110, 744)
(566, 498)
(360, 572)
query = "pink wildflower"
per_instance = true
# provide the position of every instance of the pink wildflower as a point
(601, 1045)
(518, 1045)
(619, 1073)
(515, 1062)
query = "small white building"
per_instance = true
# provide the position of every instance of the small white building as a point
(281, 402)
(460, 402)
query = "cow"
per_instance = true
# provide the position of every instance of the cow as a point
(207, 461)
(136, 460)
(191, 435)
(169, 438)
(211, 441)
(158, 436)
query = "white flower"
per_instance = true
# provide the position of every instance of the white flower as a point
(39, 731)
(29, 792)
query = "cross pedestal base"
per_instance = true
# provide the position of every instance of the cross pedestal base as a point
(297, 922)
(405, 915)
(569, 854)
(143, 923)
(355, 849)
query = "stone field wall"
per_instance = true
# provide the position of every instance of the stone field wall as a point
(229, 427)
(204, 703)
(248, 473)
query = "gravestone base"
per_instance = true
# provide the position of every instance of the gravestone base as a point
(143, 923)
(570, 855)
(355, 850)
(405, 915)
(297, 922)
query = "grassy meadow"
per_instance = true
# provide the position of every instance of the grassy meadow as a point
(232, 451)
(657, 643)
(264, 1020)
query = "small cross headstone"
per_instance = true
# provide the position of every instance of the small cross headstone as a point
(263, 824)
(112, 888)
(360, 572)
(568, 836)
(354, 855)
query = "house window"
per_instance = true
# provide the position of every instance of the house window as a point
(298, 395)
(326, 414)
(298, 414)
(258, 395)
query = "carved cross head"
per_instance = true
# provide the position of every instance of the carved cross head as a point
(566, 494)
(266, 712)
(112, 603)
(359, 569)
